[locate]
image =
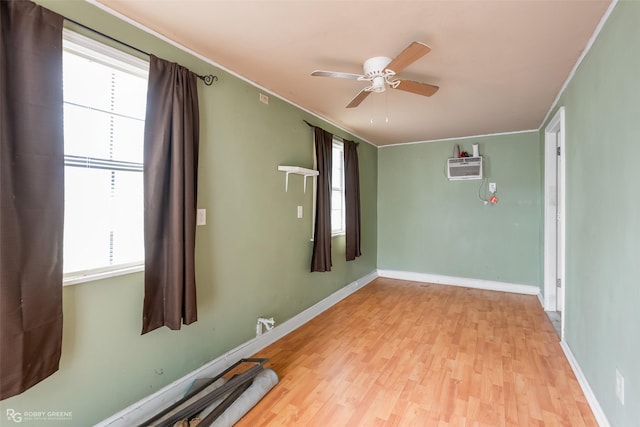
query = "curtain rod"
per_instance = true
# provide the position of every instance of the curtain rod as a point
(335, 136)
(208, 79)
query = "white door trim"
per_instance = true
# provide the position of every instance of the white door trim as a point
(554, 136)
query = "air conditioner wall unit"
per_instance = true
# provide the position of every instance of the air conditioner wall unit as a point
(464, 168)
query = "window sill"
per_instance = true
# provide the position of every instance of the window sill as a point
(342, 233)
(92, 275)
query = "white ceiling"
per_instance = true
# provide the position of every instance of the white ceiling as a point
(499, 64)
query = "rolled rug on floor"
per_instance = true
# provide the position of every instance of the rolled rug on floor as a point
(262, 384)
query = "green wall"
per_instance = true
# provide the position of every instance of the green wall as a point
(428, 224)
(252, 257)
(603, 213)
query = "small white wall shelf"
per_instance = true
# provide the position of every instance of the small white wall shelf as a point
(298, 171)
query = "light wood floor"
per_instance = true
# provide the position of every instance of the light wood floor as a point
(400, 353)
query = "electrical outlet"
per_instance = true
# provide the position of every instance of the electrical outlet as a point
(619, 386)
(264, 98)
(492, 187)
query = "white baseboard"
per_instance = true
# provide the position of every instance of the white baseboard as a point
(145, 408)
(541, 299)
(461, 281)
(601, 418)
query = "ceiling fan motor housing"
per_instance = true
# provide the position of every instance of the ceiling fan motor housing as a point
(375, 72)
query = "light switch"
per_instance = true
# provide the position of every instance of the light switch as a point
(299, 211)
(201, 217)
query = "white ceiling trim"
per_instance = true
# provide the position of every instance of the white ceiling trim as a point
(586, 50)
(457, 138)
(215, 64)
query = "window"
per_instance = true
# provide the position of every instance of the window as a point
(337, 189)
(104, 110)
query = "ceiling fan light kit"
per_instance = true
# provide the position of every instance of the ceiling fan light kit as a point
(381, 72)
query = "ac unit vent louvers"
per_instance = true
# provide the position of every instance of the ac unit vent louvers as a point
(464, 168)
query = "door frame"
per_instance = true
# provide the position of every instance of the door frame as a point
(554, 244)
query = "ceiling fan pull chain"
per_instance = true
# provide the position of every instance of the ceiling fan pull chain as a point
(386, 107)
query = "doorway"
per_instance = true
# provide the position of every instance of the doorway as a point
(554, 220)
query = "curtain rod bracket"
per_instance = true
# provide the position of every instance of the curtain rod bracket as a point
(208, 79)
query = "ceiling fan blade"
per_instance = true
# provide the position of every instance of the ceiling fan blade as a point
(338, 74)
(423, 89)
(412, 53)
(358, 98)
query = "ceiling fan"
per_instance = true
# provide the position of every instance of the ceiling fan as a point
(381, 72)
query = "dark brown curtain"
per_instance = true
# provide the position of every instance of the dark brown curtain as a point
(171, 139)
(321, 258)
(32, 195)
(352, 199)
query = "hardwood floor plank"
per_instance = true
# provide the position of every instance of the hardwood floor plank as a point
(400, 353)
